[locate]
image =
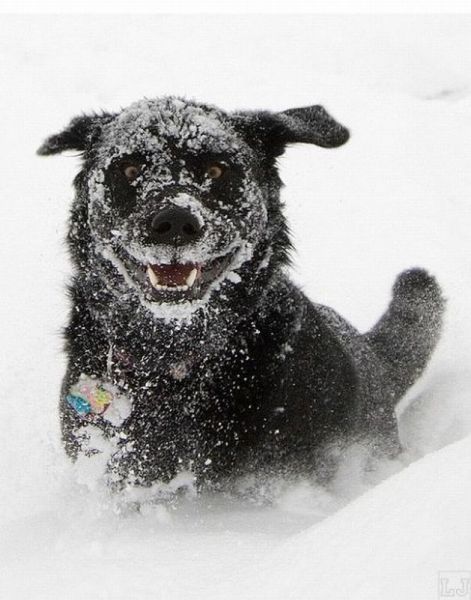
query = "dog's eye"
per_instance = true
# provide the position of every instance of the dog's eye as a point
(131, 171)
(215, 170)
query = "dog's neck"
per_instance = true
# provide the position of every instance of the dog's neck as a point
(138, 337)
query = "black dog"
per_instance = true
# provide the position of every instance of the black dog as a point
(189, 348)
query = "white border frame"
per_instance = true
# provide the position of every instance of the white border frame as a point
(235, 7)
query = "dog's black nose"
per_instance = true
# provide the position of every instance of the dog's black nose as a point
(176, 226)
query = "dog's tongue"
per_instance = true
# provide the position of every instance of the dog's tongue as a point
(175, 274)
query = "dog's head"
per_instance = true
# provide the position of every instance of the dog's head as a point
(178, 202)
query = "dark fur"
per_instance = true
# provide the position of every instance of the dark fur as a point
(269, 378)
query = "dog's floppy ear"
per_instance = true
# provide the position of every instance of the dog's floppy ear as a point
(309, 125)
(81, 132)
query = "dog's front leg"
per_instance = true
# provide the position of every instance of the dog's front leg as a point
(92, 408)
(99, 427)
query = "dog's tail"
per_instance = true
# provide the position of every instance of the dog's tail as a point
(408, 332)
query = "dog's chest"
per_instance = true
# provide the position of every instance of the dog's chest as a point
(157, 383)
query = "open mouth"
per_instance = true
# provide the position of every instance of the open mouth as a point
(175, 277)
(184, 282)
(177, 282)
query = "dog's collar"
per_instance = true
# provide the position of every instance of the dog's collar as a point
(122, 361)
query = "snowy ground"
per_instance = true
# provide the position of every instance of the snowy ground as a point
(397, 195)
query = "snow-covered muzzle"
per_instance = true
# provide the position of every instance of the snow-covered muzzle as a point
(175, 211)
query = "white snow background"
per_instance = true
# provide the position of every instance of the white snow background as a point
(397, 195)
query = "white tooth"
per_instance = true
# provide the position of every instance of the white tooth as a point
(190, 280)
(153, 277)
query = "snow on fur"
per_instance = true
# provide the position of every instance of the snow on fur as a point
(404, 202)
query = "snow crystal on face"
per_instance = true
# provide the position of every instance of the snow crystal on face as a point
(266, 260)
(187, 201)
(108, 254)
(234, 277)
(142, 125)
